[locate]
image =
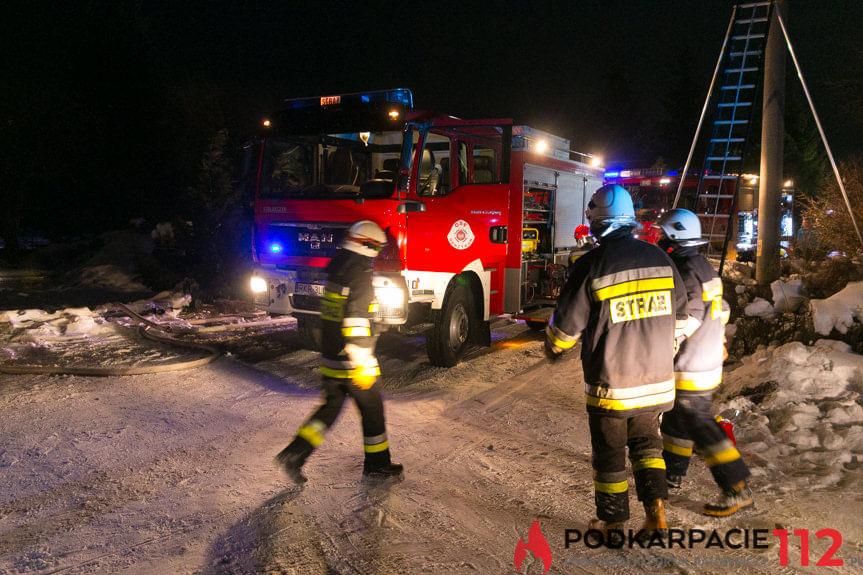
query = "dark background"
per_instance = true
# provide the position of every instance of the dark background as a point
(107, 109)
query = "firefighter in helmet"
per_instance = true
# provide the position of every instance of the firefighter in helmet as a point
(698, 371)
(348, 366)
(623, 299)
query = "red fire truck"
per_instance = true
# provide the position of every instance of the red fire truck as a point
(653, 193)
(480, 214)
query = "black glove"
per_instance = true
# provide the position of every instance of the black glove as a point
(552, 352)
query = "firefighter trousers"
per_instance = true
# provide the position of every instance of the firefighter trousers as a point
(371, 407)
(690, 425)
(610, 437)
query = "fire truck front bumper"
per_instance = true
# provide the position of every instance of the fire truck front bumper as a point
(295, 292)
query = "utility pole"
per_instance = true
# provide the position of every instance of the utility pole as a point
(772, 130)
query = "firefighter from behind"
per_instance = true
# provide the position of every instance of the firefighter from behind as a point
(348, 366)
(623, 299)
(698, 371)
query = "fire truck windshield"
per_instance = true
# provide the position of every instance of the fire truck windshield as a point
(326, 166)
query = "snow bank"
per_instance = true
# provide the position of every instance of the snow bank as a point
(839, 310)
(797, 409)
(760, 307)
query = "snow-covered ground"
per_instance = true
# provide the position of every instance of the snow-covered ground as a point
(171, 473)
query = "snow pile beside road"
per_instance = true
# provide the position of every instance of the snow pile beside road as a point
(80, 336)
(797, 411)
(839, 310)
(760, 307)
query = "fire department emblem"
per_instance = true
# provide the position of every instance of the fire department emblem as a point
(460, 235)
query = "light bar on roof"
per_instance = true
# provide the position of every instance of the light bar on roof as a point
(399, 95)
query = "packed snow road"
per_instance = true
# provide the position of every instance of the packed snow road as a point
(172, 473)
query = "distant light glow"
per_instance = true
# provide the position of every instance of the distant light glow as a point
(663, 181)
(596, 161)
(672, 174)
(541, 146)
(266, 123)
(753, 180)
(275, 248)
(788, 183)
(394, 114)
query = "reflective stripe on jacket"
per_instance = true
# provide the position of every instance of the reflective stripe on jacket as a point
(347, 307)
(698, 365)
(624, 298)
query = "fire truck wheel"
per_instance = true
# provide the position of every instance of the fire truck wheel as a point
(309, 328)
(448, 338)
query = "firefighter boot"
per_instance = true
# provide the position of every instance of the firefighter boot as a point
(378, 465)
(291, 463)
(731, 501)
(673, 481)
(654, 523)
(612, 532)
(382, 471)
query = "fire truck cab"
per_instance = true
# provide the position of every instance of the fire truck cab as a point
(453, 196)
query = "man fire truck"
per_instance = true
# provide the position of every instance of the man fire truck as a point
(452, 195)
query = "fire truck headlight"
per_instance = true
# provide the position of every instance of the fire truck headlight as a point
(391, 297)
(258, 284)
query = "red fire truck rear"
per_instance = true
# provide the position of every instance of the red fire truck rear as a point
(481, 215)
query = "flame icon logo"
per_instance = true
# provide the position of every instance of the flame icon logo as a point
(537, 545)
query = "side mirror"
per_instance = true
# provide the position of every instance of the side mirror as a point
(411, 206)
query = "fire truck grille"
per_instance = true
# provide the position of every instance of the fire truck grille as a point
(305, 302)
(310, 240)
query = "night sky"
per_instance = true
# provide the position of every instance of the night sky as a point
(120, 98)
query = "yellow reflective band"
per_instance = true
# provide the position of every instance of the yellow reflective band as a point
(632, 403)
(373, 371)
(677, 450)
(549, 332)
(713, 293)
(333, 306)
(640, 306)
(616, 487)
(698, 380)
(649, 463)
(633, 286)
(726, 456)
(373, 308)
(356, 332)
(377, 447)
(311, 435)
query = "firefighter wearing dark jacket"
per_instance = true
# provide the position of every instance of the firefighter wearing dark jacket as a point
(698, 371)
(348, 366)
(623, 299)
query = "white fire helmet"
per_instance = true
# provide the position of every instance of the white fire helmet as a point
(682, 227)
(365, 238)
(610, 208)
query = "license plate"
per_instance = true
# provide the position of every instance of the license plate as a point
(309, 289)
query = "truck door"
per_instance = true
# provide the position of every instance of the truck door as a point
(461, 174)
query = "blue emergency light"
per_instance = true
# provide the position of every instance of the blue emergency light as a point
(275, 248)
(399, 95)
(611, 174)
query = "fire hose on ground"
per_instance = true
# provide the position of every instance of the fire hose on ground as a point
(152, 331)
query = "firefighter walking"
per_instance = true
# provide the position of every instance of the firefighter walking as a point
(624, 299)
(698, 371)
(348, 365)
